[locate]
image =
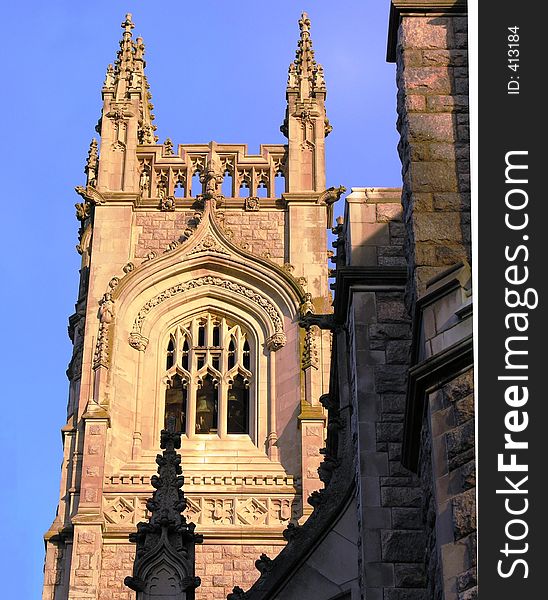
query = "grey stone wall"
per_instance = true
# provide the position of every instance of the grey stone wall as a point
(449, 479)
(390, 496)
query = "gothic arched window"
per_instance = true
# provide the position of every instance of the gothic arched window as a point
(208, 373)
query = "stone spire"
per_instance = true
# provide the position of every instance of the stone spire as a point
(127, 119)
(164, 562)
(304, 73)
(127, 77)
(306, 124)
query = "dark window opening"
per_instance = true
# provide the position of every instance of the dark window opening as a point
(176, 404)
(216, 362)
(207, 407)
(238, 407)
(216, 336)
(201, 336)
(185, 355)
(170, 359)
(231, 354)
(246, 356)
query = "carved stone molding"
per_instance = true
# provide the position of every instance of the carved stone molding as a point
(208, 510)
(310, 350)
(266, 305)
(209, 244)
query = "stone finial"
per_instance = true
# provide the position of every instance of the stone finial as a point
(128, 24)
(165, 557)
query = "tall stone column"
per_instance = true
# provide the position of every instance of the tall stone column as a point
(428, 42)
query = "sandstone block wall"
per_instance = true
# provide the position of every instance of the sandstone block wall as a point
(260, 232)
(220, 567)
(432, 78)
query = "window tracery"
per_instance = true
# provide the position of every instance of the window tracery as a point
(208, 376)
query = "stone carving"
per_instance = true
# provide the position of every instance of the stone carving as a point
(113, 283)
(276, 342)
(280, 509)
(264, 564)
(292, 76)
(144, 180)
(218, 511)
(167, 204)
(252, 512)
(90, 194)
(288, 268)
(83, 210)
(106, 316)
(307, 307)
(237, 594)
(227, 479)
(166, 541)
(109, 78)
(168, 147)
(328, 128)
(172, 245)
(161, 186)
(119, 511)
(319, 78)
(310, 350)
(106, 309)
(293, 529)
(92, 164)
(331, 195)
(128, 268)
(101, 355)
(150, 256)
(231, 286)
(252, 203)
(138, 341)
(209, 244)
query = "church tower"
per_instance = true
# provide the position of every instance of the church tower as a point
(195, 279)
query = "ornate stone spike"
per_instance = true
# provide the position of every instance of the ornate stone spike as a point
(168, 147)
(92, 164)
(304, 60)
(127, 25)
(165, 555)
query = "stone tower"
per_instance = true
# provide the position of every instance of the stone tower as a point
(194, 282)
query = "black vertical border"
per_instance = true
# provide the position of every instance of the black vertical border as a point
(511, 122)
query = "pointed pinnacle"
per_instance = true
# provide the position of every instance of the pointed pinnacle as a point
(127, 25)
(304, 23)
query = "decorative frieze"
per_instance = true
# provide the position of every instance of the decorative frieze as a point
(220, 510)
(214, 479)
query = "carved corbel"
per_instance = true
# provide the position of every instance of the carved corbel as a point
(276, 341)
(90, 194)
(328, 198)
(138, 341)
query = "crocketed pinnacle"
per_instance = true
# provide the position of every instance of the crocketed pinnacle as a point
(165, 544)
(305, 74)
(126, 78)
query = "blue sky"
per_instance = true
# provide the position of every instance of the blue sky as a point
(217, 71)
